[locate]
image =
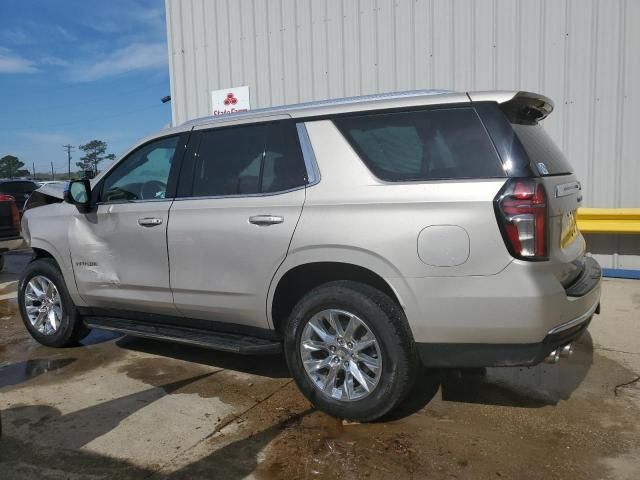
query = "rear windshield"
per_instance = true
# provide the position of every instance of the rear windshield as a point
(17, 187)
(541, 149)
(423, 145)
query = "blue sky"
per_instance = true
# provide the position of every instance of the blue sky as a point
(73, 70)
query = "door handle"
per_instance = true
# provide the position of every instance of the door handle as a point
(149, 222)
(266, 219)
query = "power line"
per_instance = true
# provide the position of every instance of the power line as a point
(68, 148)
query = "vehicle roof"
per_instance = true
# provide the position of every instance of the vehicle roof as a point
(351, 104)
(382, 101)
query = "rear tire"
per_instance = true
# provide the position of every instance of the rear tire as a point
(61, 328)
(312, 340)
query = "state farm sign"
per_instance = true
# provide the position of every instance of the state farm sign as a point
(230, 100)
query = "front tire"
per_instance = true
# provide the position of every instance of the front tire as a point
(350, 350)
(46, 308)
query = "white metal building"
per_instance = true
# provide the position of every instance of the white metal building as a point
(584, 54)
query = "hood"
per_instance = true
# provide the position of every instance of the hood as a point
(54, 189)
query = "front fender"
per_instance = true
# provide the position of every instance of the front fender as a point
(48, 232)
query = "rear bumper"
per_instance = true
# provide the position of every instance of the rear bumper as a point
(470, 355)
(519, 305)
(11, 243)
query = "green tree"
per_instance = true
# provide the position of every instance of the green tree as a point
(11, 167)
(94, 152)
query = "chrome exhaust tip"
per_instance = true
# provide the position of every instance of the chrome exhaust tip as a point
(553, 357)
(567, 350)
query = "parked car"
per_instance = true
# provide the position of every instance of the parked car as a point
(51, 182)
(19, 190)
(10, 237)
(362, 236)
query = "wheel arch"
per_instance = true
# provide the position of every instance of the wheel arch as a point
(44, 249)
(292, 282)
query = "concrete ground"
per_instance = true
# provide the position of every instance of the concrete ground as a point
(120, 408)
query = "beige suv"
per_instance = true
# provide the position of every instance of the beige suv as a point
(362, 236)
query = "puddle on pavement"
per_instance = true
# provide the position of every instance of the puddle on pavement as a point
(23, 371)
(23, 359)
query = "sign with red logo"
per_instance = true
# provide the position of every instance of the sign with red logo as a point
(230, 100)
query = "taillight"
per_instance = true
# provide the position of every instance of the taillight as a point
(521, 209)
(15, 214)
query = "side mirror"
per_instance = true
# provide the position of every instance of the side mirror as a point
(78, 193)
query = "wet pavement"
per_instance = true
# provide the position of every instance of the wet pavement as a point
(122, 408)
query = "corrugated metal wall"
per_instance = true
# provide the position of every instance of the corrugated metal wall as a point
(584, 54)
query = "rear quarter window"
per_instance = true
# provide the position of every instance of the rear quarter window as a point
(423, 145)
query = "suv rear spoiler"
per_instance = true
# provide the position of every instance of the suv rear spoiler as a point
(520, 107)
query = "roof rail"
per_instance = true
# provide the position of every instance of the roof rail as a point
(320, 103)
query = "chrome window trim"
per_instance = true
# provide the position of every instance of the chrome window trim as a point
(311, 167)
(242, 195)
(122, 202)
(309, 156)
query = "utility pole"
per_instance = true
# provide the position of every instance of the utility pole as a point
(68, 148)
(53, 175)
(33, 164)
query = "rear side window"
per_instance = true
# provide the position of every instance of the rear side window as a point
(541, 149)
(248, 160)
(228, 162)
(423, 145)
(284, 166)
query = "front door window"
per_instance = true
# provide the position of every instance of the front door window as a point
(143, 175)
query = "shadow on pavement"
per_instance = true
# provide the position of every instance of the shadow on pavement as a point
(15, 262)
(272, 366)
(525, 387)
(234, 461)
(238, 459)
(528, 387)
(76, 429)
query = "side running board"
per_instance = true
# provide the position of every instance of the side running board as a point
(228, 342)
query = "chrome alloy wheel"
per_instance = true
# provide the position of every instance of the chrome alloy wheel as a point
(341, 355)
(43, 305)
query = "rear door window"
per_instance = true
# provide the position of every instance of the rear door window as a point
(542, 151)
(423, 145)
(228, 161)
(284, 166)
(247, 160)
